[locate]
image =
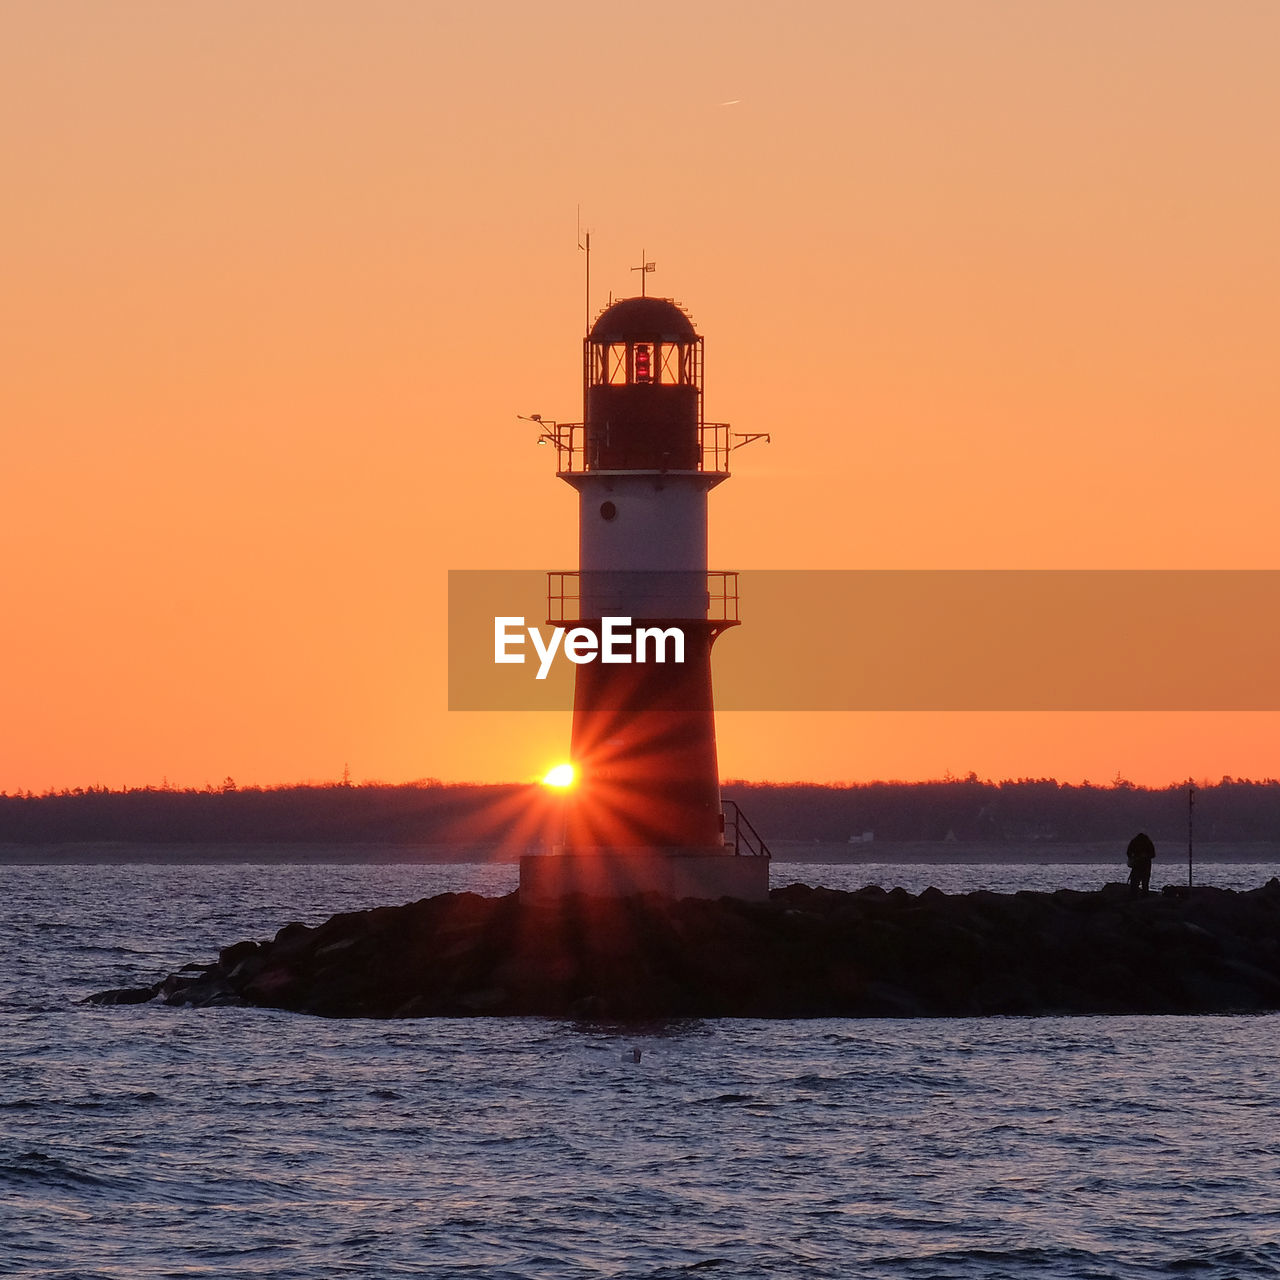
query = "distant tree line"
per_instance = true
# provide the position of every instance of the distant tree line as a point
(967, 809)
(338, 814)
(1022, 810)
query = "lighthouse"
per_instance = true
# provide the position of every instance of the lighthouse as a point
(645, 813)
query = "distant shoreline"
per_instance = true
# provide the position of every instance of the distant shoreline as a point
(897, 853)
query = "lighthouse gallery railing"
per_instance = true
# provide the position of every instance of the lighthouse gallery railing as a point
(715, 443)
(564, 596)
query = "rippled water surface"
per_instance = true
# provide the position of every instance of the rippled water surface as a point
(146, 1141)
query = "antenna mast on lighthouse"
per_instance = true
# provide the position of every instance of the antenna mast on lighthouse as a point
(644, 269)
(584, 242)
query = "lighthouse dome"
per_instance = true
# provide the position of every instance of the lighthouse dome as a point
(643, 320)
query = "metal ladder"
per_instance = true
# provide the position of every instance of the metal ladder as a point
(739, 833)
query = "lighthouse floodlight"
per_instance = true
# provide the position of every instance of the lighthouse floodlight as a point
(550, 427)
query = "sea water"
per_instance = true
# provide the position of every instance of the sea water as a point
(144, 1141)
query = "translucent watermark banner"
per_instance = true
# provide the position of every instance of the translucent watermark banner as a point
(879, 640)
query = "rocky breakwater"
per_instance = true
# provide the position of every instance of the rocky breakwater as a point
(806, 953)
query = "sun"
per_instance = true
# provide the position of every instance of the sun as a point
(563, 775)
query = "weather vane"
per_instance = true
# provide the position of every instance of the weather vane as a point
(644, 268)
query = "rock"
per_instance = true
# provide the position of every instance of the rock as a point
(806, 953)
(231, 956)
(125, 995)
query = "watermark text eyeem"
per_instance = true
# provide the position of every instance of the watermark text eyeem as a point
(615, 642)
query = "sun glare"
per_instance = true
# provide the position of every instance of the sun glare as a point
(561, 776)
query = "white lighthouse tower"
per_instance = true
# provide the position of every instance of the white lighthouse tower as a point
(645, 814)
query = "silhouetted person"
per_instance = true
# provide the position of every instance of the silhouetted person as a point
(1139, 855)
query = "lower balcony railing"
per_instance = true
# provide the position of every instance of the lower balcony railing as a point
(574, 596)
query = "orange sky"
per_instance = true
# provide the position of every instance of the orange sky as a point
(1001, 278)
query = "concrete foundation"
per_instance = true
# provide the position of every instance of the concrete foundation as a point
(677, 873)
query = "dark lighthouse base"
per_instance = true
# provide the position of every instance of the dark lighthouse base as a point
(674, 873)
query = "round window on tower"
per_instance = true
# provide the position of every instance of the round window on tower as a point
(608, 510)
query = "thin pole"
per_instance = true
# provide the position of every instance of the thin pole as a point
(584, 242)
(644, 268)
(1191, 816)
